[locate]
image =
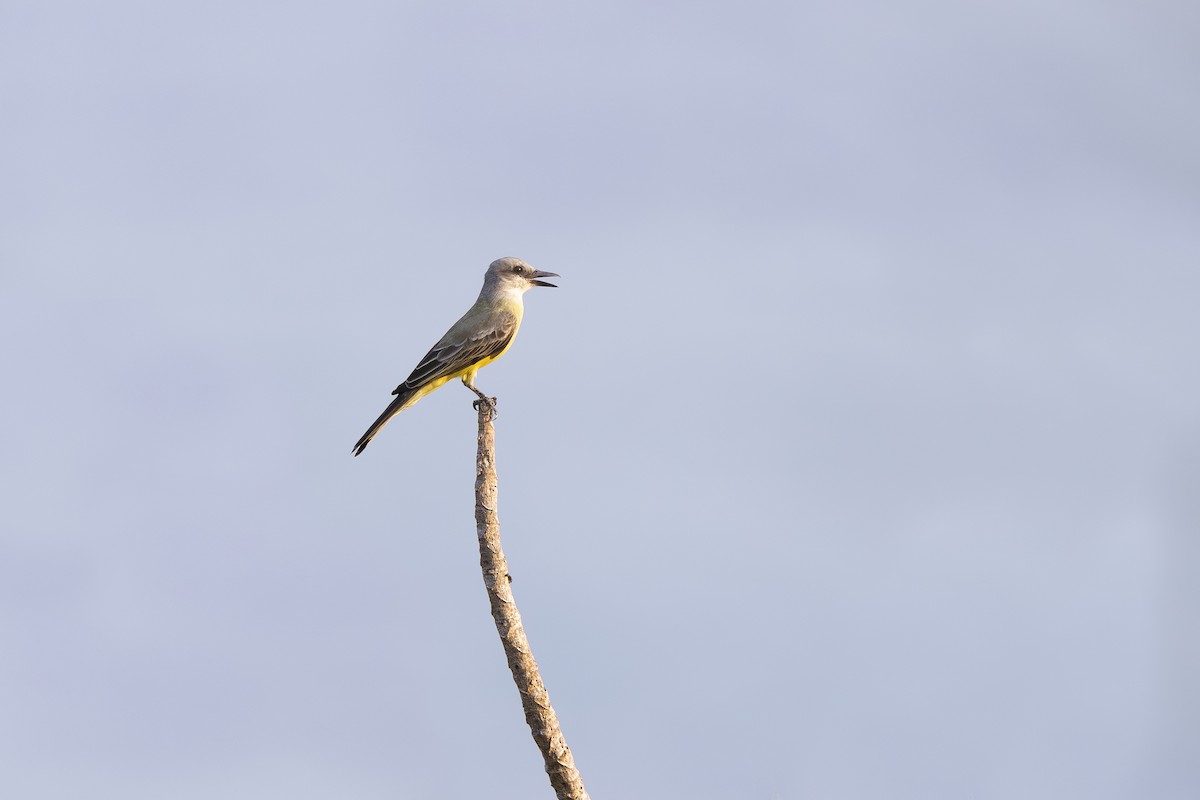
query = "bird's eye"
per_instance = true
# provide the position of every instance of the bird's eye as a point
(518, 268)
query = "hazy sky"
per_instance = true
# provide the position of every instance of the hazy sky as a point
(857, 455)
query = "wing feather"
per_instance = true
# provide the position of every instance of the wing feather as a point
(458, 350)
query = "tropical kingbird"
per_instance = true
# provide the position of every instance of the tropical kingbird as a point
(483, 334)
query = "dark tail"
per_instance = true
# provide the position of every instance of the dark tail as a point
(394, 408)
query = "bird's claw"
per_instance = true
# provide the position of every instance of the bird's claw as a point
(490, 402)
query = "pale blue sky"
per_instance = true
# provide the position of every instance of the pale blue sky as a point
(856, 456)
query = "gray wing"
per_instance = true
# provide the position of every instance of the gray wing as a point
(460, 348)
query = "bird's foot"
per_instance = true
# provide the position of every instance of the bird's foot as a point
(489, 402)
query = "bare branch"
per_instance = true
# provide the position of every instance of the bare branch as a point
(543, 722)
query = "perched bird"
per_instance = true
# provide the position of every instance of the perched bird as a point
(483, 334)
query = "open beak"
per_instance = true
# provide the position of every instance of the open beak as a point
(540, 274)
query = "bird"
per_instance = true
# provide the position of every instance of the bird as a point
(483, 334)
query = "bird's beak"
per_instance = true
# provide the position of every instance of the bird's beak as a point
(540, 274)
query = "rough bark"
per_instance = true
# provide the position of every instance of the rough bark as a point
(540, 716)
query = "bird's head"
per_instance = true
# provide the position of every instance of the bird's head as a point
(515, 273)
